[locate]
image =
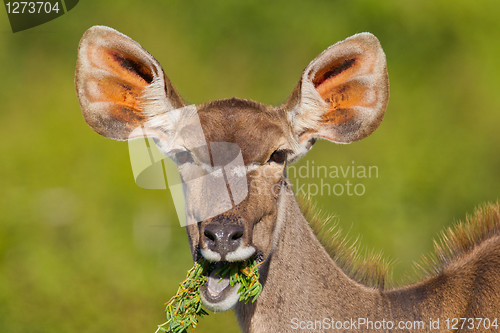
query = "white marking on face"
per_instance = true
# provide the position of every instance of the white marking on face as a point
(210, 255)
(240, 254)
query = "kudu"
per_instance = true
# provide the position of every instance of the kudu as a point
(341, 97)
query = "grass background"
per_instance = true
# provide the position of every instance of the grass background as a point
(82, 248)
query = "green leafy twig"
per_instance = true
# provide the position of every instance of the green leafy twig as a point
(245, 273)
(185, 307)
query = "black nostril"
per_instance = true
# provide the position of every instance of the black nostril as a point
(236, 235)
(209, 235)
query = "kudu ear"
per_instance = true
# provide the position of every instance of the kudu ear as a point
(343, 93)
(120, 85)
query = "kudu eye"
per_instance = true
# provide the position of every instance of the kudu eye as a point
(278, 156)
(183, 157)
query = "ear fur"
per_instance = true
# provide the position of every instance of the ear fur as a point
(120, 86)
(342, 94)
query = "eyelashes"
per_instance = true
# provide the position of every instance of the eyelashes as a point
(279, 156)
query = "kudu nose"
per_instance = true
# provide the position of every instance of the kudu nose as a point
(223, 239)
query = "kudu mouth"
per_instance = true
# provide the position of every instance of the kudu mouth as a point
(217, 294)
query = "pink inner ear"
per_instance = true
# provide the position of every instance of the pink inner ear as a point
(342, 99)
(129, 65)
(124, 82)
(114, 90)
(338, 85)
(336, 71)
(123, 66)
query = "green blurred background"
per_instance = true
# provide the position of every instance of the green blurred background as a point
(82, 248)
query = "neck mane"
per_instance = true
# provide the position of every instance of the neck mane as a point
(305, 283)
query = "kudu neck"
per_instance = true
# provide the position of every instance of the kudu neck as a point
(302, 283)
(301, 280)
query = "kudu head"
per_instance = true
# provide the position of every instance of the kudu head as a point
(124, 94)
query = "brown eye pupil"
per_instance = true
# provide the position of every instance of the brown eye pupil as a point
(279, 156)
